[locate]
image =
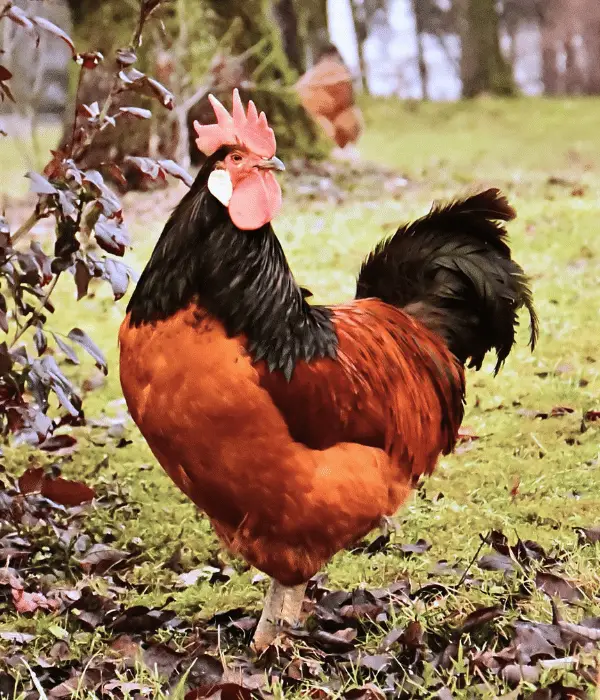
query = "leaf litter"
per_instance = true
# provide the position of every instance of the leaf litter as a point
(409, 639)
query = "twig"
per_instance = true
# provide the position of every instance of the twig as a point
(6, 8)
(27, 225)
(36, 681)
(484, 540)
(34, 316)
(75, 115)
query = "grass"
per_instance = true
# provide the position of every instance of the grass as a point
(546, 156)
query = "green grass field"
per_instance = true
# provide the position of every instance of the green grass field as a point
(535, 478)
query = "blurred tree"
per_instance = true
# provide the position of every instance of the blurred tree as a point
(285, 11)
(419, 10)
(364, 13)
(312, 28)
(361, 29)
(483, 67)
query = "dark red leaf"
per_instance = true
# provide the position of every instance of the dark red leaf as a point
(66, 492)
(17, 15)
(66, 349)
(6, 92)
(175, 170)
(5, 74)
(82, 279)
(138, 112)
(592, 416)
(40, 340)
(116, 172)
(126, 57)
(39, 184)
(116, 273)
(160, 91)
(48, 26)
(81, 338)
(147, 165)
(59, 442)
(3, 314)
(111, 236)
(6, 361)
(31, 480)
(89, 59)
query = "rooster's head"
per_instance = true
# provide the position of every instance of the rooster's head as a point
(242, 180)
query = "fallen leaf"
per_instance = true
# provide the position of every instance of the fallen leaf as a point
(419, 547)
(367, 692)
(555, 585)
(100, 558)
(376, 662)
(589, 535)
(25, 602)
(162, 660)
(496, 562)
(17, 637)
(481, 616)
(66, 492)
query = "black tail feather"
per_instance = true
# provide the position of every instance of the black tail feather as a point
(452, 269)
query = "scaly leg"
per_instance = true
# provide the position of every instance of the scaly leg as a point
(283, 604)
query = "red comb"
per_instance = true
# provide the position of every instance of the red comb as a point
(248, 129)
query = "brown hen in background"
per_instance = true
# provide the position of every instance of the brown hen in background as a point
(327, 94)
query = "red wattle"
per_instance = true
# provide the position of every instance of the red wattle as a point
(255, 200)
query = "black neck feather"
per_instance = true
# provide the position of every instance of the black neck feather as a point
(240, 277)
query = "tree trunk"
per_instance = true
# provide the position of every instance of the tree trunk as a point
(592, 48)
(271, 74)
(483, 67)
(360, 29)
(285, 11)
(574, 79)
(417, 10)
(312, 19)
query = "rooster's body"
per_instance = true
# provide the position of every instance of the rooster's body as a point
(294, 427)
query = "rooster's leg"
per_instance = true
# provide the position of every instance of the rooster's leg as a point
(282, 606)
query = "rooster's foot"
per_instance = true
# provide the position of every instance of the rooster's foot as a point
(282, 608)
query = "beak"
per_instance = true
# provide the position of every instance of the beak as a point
(271, 164)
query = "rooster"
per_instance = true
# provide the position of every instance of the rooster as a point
(295, 427)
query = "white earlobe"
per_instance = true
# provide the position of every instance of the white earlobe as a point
(219, 185)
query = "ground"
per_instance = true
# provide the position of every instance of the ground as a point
(530, 468)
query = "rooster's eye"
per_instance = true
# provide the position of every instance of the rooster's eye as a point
(236, 158)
